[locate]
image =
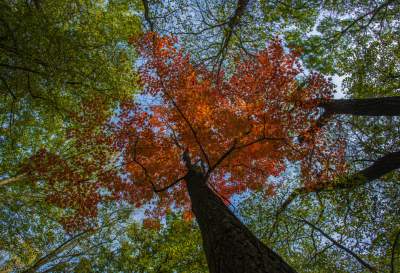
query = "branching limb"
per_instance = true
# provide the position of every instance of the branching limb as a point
(68, 243)
(379, 168)
(223, 156)
(373, 14)
(236, 147)
(337, 244)
(189, 125)
(232, 23)
(170, 185)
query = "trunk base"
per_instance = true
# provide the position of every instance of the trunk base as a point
(230, 247)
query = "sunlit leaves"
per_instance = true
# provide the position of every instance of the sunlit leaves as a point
(239, 129)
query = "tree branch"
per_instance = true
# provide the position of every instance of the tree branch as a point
(224, 155)
(347, 250)
(170, 185)
(56, 251)
(147, 14)
(235, 147)
(232, 23)
(11, 180)
(372, 12)
(189, 124)
(385, 106)
(26, 69)
(380, 167)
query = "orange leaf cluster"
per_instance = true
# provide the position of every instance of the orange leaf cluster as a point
(238, 129)
(73, 179)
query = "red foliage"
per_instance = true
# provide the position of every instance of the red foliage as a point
(72, 178)
(240, 129)
(152, 224)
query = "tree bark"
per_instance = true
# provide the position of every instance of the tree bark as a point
(386, 106)
(229, 246)
(380, 167)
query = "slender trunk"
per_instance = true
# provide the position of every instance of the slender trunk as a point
(229, 246)
(386, 106)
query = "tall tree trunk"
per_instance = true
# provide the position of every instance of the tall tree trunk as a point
(229, 246)
(385, 106)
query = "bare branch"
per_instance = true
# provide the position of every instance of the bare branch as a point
(232, 24)
(147, 14)
(11, 180)
(379, 168)
(372, 12)
(170, 185)
(347, 250)
(56, 251)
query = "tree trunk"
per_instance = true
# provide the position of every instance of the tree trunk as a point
(229, 246)
(386, 106)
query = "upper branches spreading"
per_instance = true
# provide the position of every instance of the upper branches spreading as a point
(239, 130)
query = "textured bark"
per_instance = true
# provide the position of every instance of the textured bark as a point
(229, 246)
(386, 106)
(382, 166)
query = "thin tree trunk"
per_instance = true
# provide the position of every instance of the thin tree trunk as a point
(229, 246)
(385, 106)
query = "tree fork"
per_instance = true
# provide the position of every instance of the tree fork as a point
(230, 247)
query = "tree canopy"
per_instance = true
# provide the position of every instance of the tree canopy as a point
(55, 57)
(199, 136)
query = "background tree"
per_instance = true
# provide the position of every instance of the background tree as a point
(64, 66)
(56, 56)
(341, 231)
(173, 247)
(229, 29)
(59, 59)
(118, 243)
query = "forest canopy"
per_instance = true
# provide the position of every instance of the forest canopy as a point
(199, 136)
